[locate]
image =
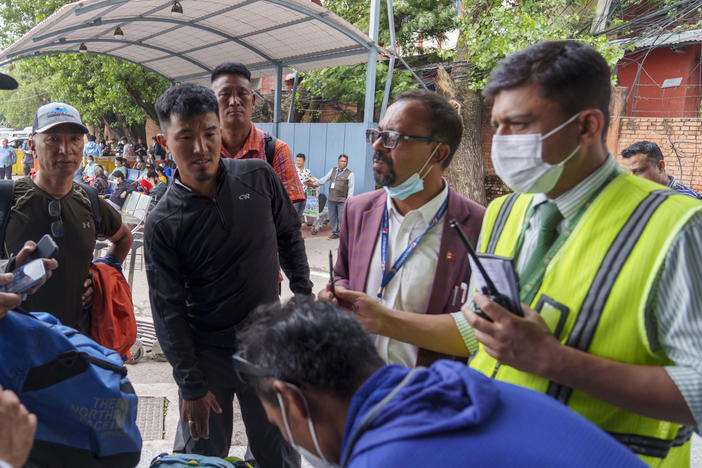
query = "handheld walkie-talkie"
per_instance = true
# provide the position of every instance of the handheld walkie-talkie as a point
(490, 290)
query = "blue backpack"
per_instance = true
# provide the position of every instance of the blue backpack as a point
(187, 460)
(78, 390)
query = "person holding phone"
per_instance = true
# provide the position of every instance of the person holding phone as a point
(609, 264)
(398, 257)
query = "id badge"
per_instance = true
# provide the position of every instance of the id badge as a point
(332, 185)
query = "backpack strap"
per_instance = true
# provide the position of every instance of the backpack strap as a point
(270, 148)
(7, 191)
(95, 203)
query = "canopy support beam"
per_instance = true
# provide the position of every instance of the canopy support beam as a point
(278, 97)
(369, 106)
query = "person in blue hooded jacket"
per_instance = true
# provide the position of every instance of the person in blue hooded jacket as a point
(321, 381)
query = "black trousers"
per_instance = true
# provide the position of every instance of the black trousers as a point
(267, 444)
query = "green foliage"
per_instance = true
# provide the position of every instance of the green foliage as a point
(434, 18)
(103, 89)
(348, 84)
(19, 16)
(494, 29)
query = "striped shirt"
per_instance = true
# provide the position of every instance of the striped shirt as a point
(674, 307)
(684, 189)
(283, 164)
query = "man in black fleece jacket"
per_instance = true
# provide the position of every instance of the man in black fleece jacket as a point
(212, 247)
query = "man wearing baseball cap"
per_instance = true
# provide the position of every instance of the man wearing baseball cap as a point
(52, 203)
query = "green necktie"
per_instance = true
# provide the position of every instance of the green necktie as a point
(549, 217)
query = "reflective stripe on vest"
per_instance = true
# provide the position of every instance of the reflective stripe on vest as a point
(625, 235)
(593, 305)
(500, 222)
(651, 446)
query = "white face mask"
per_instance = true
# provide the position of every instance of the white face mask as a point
(518, 161)
(314, 460)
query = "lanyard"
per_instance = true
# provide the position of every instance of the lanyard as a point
(388, 275)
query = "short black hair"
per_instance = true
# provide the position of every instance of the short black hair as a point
(441, 118)
(570, 73)
(151, 175)
(186, 100)
(124, 138)
(301, 155)
(91, 138)
(118, 174)
(650, 149)
(161, 170)
(342, 156)
(312, 344)
(230, 68)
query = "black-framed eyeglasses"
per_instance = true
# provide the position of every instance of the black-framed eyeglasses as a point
(55, 214)
(389, 138)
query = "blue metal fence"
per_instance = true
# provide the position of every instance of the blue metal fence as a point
(322, 143)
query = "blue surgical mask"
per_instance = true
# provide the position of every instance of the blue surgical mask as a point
(413, 184)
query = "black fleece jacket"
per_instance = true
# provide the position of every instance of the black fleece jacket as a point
(210, 261)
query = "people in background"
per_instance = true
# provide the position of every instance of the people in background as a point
(645, 159)
(341, 188)
(100, 183)
(304, 175)
(7, 159)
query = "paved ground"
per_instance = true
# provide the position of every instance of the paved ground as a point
(151, 378)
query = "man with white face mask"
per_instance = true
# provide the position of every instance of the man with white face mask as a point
(397, 252)
(338, 405)
(609, 265)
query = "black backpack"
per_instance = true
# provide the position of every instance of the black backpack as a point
(270, 148)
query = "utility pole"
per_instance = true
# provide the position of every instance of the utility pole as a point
(599, 23)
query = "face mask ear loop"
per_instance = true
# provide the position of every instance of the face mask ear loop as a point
(285, 418)
(313, 432)
(561, 126)
(427, 162)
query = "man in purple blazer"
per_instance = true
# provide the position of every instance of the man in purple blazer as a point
(398, 258)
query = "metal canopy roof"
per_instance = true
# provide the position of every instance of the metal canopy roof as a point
(262, 34)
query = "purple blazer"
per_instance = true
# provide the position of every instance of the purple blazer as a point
(359, 232)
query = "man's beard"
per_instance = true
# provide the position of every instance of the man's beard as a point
(384, 179)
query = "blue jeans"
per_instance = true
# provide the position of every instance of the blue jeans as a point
(336, 212)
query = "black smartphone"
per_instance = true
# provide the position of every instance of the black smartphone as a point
(25, 277)
(46, 248)
(490, 290)
(331, 273)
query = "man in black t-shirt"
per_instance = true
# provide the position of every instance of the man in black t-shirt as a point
(53, 204)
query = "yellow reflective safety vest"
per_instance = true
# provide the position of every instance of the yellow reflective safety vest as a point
(593, 297)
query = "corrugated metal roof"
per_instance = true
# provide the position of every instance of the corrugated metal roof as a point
(664, 39)
(262, 34)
